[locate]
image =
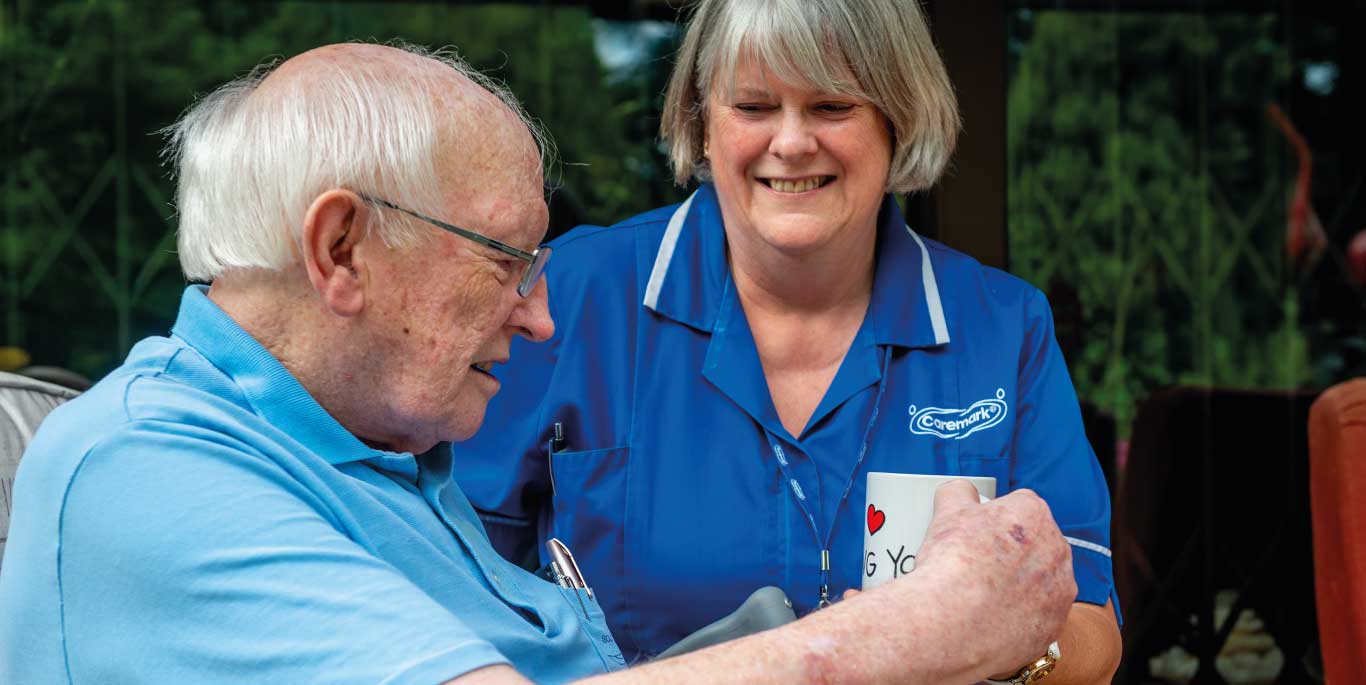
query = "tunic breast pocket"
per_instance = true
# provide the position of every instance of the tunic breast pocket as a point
(994, 465)
(590, 493)
(590, 513)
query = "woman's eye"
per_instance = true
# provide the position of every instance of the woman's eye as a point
(752, 107)
(834, 107)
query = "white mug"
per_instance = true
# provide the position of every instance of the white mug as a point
(896, 515)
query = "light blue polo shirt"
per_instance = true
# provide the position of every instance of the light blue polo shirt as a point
(197, 517)
(675, 480)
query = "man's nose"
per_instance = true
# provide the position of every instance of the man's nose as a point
(531, 315)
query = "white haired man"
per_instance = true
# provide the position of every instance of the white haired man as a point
(265, 496)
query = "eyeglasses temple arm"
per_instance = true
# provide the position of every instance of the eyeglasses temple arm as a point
(482, 240)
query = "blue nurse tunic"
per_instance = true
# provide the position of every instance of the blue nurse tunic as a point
(644, 436)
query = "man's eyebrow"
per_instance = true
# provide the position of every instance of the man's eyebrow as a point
(498, 255)
(523, 246)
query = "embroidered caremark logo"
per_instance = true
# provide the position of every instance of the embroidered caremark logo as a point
(959, 423)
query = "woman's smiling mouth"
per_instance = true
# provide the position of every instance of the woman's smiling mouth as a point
(796, 185)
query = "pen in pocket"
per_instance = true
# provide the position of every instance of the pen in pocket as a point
(566, 571)
(556, 445)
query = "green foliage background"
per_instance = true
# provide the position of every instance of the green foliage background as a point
(1145, 178)
(86, 261)
(1147, 190)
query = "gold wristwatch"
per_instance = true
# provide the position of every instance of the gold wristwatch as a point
(1035, 671)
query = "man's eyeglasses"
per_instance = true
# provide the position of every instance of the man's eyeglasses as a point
(536, 260)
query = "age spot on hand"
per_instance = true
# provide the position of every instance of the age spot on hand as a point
(1017, 533)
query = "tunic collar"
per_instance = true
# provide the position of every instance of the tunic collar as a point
(689, 275)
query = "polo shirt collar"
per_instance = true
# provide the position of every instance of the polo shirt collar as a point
(272, 392)
(689, 275)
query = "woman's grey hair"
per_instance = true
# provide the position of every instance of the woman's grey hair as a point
(885, 44)
(248, 169)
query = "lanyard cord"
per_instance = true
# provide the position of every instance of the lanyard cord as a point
(796, 488)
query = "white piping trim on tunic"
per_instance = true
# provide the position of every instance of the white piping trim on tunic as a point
(932, 302)
(666, 252)
(1077, 542)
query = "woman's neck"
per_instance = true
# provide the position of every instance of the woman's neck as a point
(804, 313)
(817, 285)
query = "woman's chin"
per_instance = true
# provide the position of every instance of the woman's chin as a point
(800, 238)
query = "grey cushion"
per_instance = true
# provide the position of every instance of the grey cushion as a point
(23, 404)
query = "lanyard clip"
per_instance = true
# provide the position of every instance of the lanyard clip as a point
(825, 580)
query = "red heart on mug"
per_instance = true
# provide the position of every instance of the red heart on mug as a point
(875, 519)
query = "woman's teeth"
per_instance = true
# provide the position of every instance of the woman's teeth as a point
(800, 185)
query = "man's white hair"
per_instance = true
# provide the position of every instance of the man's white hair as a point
(248, 169)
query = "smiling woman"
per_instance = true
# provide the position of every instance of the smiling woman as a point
(888, 60)
(728, 370)
(797, 170)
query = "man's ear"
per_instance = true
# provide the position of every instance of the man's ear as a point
(334, 225)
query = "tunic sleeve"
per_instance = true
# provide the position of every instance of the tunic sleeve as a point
(1053, 456)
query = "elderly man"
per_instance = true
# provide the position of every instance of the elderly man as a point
(265, 496)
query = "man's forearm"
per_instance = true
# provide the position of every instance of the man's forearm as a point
(942, 624)
(849, 642)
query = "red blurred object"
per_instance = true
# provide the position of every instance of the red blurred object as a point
(1356, 259)
(1337, 476)
(1304, 236)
